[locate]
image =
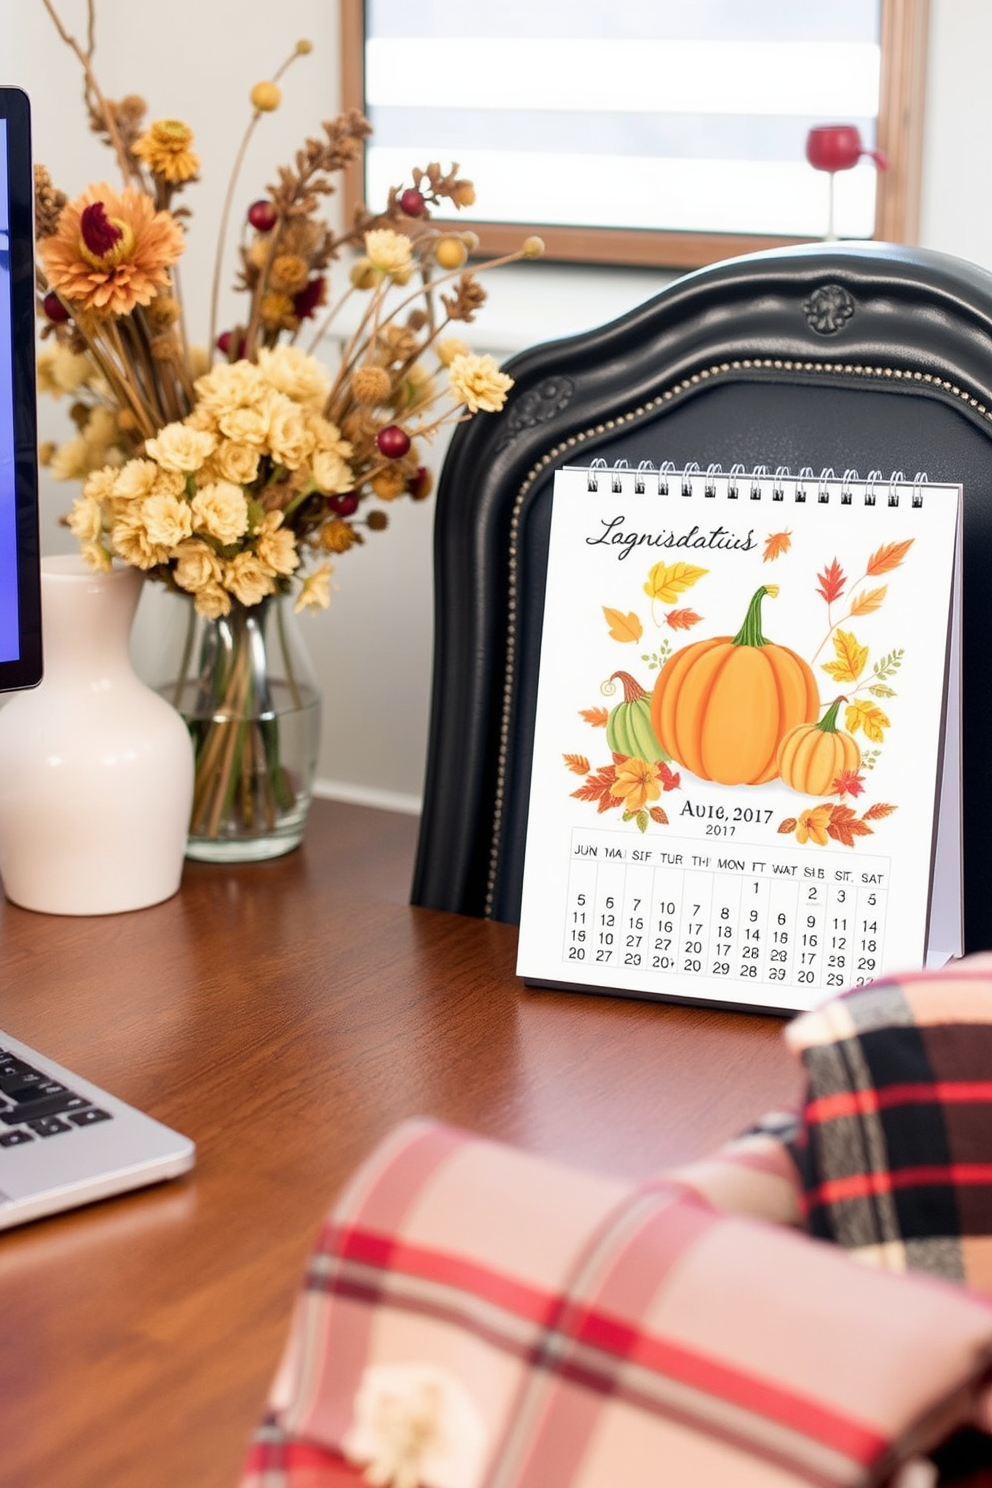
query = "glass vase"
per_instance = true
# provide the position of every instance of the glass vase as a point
(245, 685)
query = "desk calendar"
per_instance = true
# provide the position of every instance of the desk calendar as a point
(745, 784)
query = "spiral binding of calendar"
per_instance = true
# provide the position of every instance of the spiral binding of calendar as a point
(757, 484)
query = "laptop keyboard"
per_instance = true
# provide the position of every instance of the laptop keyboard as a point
(33, 1106)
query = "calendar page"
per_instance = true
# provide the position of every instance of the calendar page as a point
(745, 784)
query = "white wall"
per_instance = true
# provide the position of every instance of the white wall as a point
(197, 59)
(956, 215)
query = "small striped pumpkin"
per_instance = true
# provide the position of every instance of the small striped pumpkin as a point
(813, 755)
(628, 729)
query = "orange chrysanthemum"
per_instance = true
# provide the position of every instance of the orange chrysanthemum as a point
(111, 250)
(165, 149)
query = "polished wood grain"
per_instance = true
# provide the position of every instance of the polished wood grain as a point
(285, 1015)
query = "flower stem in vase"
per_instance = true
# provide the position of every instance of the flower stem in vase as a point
(253, 714)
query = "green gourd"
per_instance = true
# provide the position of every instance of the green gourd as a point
(628, 729)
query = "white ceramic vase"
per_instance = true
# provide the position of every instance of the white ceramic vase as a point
(96, 770)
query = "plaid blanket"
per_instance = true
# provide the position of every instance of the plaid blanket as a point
(893, 1143)
(476, 1317)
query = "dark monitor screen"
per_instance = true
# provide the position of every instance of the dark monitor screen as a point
(20, 605)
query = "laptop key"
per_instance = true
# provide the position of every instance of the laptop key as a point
(48, 1105)
(48, 1126)
(15, 1138)
(10, 1064)
(15, 1082)
(89, 1117)
(40, 1090)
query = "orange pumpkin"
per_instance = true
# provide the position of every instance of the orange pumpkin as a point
(812, 756)
(722, 707)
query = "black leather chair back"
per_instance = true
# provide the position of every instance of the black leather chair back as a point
(866, 357)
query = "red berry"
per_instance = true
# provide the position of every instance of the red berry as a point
(308, 299)
(345, 503)
(262, 215)
(54, 308)
(413, 203)
(224, 342)
(420, 485)
(393, 442)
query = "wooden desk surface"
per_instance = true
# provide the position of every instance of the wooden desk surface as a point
(285, 1015)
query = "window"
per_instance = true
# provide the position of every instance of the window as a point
(646, 131)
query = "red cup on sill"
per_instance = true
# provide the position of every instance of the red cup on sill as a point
(837, 147)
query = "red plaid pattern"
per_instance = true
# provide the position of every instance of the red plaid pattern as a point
(474, 1317)
(894, 1143)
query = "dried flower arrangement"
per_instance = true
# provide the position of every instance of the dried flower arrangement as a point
(235, 472)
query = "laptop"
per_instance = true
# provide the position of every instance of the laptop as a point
(63, 1140)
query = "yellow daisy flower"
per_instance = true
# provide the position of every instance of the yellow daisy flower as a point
(165, 149)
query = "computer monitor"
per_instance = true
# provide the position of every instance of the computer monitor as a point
(20, 578)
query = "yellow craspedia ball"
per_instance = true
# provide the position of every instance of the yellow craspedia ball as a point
(450, 253)
(304, 47)
(266, 97)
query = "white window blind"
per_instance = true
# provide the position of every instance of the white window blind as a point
(636, 114)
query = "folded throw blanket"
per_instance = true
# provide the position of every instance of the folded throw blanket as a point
(893, 1143)
(476, 1317)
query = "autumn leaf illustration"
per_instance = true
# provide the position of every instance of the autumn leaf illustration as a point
(656, 659)
(590, 791)
(880, 809)
(776, 543)
(887, 667)
(850, 658)
(868, 601)
(821, 823)
(848, 783)
(887, 557)
(682, 619)
(832, 581)
(598, 717)
(598, 788)
(865, 715)
(845, 825)
(670, 779)
(666, 581)
(623, 627)
(631, 784)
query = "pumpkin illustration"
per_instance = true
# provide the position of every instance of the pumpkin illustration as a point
(722, 706)
(628, 728)
(812, 755)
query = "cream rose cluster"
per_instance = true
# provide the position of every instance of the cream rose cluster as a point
(209, 504)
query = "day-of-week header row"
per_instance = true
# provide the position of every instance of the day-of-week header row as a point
(717, 863)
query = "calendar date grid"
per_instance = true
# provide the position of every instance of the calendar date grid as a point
(760, 916)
